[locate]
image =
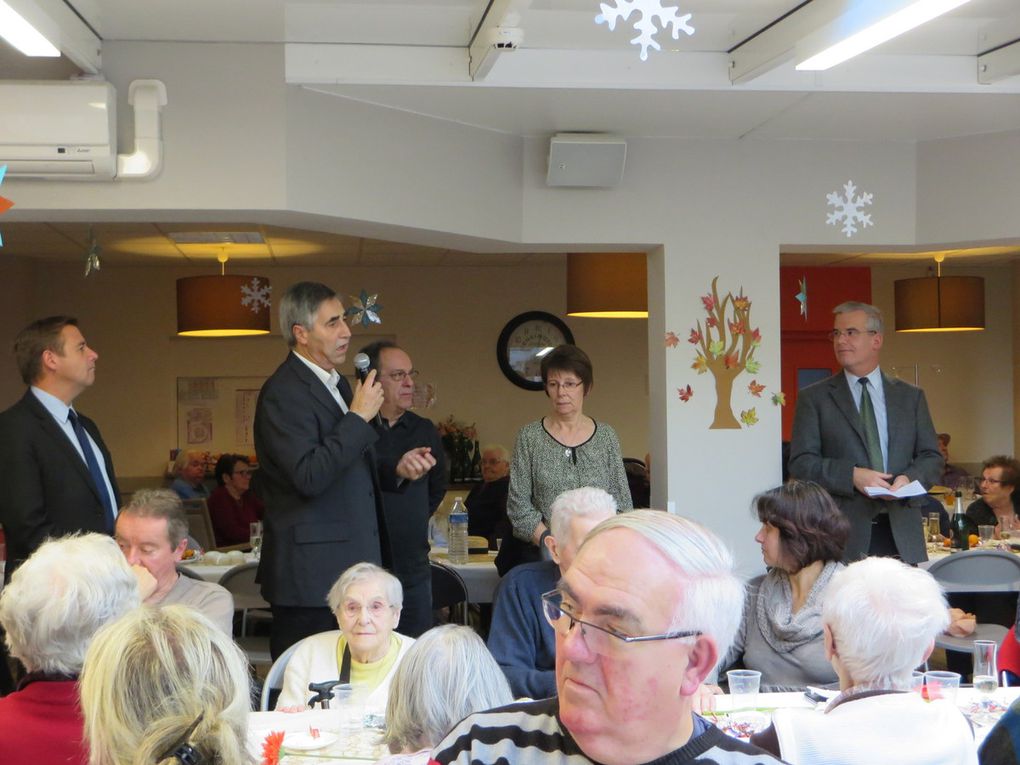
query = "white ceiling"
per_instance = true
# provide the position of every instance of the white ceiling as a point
(569, 74)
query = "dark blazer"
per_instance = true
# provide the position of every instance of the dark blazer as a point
(828, 443)
(47, 489)
(318, 481)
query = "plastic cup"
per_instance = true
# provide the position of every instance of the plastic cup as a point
(985, 534)
(347, 707)
(744, 684)
(941, 685)
(916, 681)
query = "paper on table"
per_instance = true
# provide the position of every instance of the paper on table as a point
(912, 489)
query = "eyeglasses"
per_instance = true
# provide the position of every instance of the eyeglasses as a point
(400, 375)
(243, 471)
(375, 609)
(984, 479)
(601, 640)
(852, 333)
(565, 385)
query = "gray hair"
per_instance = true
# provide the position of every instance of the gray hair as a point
(152, 675)
(359, 572)
(904, 610)
(501, 450)
(160, 503)
(183, 458)
(710, 597)
(445, 676)
(586, 502)
(57, 599)
(299, 305)
(874, 315)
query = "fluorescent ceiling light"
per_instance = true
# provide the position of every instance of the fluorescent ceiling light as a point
(878, 32)
(22, 35)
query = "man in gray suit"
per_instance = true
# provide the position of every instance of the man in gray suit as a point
(849, 435)
(317, 468)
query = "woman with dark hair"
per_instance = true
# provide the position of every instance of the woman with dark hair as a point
(232, 505)
(564, 450)
(802, 538)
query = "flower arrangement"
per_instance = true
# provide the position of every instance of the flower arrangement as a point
(273, 750)
(460, 442)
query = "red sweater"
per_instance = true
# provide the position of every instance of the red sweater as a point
(231, 518)
(42, 725)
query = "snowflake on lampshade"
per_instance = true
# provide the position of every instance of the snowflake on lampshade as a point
(364, 309)
(256, 294)
(649, 12)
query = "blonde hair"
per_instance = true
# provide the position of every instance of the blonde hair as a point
(158, 678)
(445, 676)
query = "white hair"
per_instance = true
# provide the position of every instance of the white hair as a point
(60, 596)
(710, 597)
(501, 450)
(586, 502)
(359, 572)
(883, 615)
(445, 676)
(874, 319)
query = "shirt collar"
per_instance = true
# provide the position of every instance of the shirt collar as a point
(329, 379)
(52, 404)
(874, 378)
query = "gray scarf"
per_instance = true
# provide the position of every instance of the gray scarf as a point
(782, 629)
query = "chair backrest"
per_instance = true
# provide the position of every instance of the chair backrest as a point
(448, 588)
(240, 580)
(978, 571)
(274, 678)
(199, 523)
(188, 572)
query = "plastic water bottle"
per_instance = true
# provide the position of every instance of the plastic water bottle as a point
(458, 546)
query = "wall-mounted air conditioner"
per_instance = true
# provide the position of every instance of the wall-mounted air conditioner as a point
(60, 130)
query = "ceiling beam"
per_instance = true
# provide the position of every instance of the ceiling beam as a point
(497, 32)
(55, 20)
(999, 63)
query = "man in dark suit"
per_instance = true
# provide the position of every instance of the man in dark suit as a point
(58, 474)
(848, 436)
(317, 474)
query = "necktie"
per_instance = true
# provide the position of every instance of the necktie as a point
(871, 439)
(93, 464)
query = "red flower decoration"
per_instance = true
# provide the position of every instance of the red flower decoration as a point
(672, 340)
(271, 748)
(755, 388)
(695, 337)
(736, 327)
(741, 303)
(685, 393)
(711, 322)
(709, 302)
(756, 336)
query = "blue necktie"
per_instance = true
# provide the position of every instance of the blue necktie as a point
(94, 471)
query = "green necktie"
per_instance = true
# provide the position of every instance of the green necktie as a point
(871, 439)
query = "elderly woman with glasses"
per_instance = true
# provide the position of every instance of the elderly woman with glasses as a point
(802, 537)
(564, 450)
(998, 503)
(233, 506)
(364, 652)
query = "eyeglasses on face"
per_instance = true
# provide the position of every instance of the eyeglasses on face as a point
(565, 384)
(986, 479)
(400, 375)
(600, 640)
(376, 608)
(243, 471)
(851, 333)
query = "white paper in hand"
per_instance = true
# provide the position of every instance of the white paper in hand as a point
(912, 489)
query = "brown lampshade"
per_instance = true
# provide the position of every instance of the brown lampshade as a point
(611, 285)
(210, 306)
(940, 304)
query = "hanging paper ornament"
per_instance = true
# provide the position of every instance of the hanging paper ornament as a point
(364, 309)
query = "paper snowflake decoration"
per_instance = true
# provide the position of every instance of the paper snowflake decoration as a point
(5, 204)
(848, 209)
(364, 309)
(649, 12)
(256, 294)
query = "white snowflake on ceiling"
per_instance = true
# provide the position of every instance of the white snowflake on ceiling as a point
(256, 294)
(650, 11)
(848, 209)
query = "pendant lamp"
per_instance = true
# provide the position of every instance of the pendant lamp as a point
(940, 303)
(223, 306)
(610, 285)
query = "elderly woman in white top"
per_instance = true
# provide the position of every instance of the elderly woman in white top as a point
(447, 675)
(802, 537)
(364, 652)
(880, 620)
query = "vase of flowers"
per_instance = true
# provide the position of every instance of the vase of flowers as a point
(458, 440)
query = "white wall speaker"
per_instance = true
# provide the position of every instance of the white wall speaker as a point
(593, 160)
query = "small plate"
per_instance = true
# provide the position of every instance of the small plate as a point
(302, 741)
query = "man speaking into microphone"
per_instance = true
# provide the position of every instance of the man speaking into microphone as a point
(318, 472)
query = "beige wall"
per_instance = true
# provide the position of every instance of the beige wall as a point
(448, 319)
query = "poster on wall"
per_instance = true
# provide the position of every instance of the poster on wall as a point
(244, 419)
(199, 426)
(217, 414)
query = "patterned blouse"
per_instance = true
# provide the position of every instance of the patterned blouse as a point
(542, 468)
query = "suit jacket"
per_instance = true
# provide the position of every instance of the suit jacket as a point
(318, 481)
(828, 443)
(47, 489)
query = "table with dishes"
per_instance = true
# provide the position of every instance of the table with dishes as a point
(318, 732)
(212, 565)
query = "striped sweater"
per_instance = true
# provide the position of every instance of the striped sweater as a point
(530, 733)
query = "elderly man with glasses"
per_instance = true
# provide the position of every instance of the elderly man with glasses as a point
(408, 507)
(641, 617)
(862, 430)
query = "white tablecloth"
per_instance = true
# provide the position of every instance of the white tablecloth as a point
(213, 573)
(356, 747)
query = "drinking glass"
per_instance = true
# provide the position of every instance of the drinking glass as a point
(934, 527)
(985, 676)
(255, 537)
(966, 488)
(1007, 525)
(986, 533)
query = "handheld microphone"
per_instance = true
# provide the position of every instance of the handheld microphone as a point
(361, 366)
